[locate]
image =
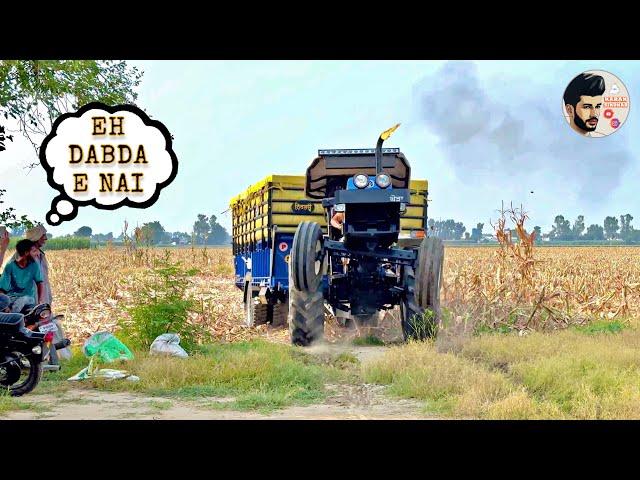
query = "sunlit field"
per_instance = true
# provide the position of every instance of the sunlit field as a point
(572, 285)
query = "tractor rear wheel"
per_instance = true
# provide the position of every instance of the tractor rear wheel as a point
(306, 301)
(420, 309)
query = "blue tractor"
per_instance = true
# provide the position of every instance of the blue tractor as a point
(362, 266)
(349, 237)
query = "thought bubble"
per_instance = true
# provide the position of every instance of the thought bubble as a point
(107, 157)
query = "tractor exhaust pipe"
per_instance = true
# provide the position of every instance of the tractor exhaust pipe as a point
(383, 136)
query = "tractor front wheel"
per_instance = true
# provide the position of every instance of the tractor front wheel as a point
(306, 301)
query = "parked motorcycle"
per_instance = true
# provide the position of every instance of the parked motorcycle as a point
(39, 319)
(21, 355)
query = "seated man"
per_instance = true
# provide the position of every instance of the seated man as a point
(22, 277)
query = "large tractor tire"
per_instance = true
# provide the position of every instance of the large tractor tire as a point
(420, 308)
(306, 301)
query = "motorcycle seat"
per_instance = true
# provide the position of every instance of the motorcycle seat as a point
(11, 322)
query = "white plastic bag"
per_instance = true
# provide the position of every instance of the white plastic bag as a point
(167, 344)
(108, 373)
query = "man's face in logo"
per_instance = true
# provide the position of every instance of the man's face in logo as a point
(586, 113)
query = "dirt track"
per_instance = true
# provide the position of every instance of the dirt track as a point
(343, 402)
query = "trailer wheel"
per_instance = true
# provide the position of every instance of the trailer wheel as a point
(279, 313)
(255, 313)
(306, 315)
(307, 270)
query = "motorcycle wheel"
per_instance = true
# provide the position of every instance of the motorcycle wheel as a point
(21, 376)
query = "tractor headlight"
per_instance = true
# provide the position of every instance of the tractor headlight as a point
(339, 207)
(383, 180)
(37, 350)
(403, 207)
(361, 180)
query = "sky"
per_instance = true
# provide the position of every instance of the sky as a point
(481, 132)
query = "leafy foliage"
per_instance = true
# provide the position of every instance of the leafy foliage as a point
(207, 231)
(154, 232)
(447, 229)
(8, 217)
(35, 92)
(161, 305)
(83, 232)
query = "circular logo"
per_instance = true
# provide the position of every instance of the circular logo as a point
(283, 246)
(593, 94)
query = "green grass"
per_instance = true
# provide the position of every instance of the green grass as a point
(160, 404)
(588, 372)
(451, 386)
(602, 326)
(368, 340)
(59, 243)
(9, 404)
(258, 375)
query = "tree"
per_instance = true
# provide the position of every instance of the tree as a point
(594, 232)
(153, 232)
(218, 235)
(181, 238)
(561, 229)
(538, 231)
(578, 227)
(201, 229)
(35, 92)
(611, 227)
(83, 232)
(101, 237)
(476, 233)
(447, 229)
(625, 226)
(8, 218)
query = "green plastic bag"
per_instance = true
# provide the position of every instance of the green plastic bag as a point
(106, 347)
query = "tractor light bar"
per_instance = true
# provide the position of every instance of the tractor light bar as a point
(356, 151)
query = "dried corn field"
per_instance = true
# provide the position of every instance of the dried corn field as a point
(549, 288)
(93, 287)
(483, 286)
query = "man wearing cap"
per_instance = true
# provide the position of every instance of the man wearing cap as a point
(38, 235)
